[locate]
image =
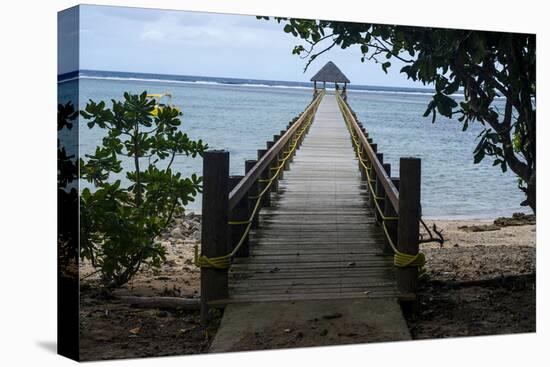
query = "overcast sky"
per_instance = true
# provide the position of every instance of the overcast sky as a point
(207, 44)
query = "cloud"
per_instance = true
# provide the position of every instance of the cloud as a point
(194, 43)
(123, 12)
(152, 35)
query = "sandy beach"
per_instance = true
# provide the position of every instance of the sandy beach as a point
(480, 250)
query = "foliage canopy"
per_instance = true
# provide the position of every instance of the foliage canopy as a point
(484, 66)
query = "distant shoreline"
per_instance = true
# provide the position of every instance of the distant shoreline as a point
(443, 219)
(197, 79)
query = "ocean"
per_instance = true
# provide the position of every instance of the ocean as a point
(240, 115)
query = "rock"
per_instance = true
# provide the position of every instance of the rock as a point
(189, 242)
(177, 233)
(517, 219)
(333, 315)
(480, 228)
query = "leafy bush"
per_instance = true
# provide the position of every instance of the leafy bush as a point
(67, 194)
(119, 224)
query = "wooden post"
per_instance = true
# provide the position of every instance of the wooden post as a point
(389, 211)
(214, 231)
(239, 213)
(274, 163)
(409, 219)
(361, 168)
(345, 92)
(253, 192)
(284, 151)
(279, 158)
(379, 190)
(289, 145)
(300, 141)
(266, 199)
(373, 176)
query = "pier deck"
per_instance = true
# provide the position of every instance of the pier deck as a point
(319, 239)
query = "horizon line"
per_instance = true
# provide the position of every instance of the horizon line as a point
(232, 77)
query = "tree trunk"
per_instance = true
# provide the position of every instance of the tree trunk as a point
(531, 192)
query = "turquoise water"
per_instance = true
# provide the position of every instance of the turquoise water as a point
(241, 118)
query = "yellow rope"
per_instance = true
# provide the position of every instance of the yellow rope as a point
(238, 222)
(224, 262)
(400, 259)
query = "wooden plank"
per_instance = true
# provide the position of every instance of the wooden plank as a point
(319, 238)
(236, 298)
(254, 174)
(391, 190)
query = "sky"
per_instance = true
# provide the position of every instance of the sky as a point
(204, 44)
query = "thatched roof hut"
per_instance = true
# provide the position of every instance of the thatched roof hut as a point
(330, 73)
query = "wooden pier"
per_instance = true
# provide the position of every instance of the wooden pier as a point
(319, 239)
(316, 218)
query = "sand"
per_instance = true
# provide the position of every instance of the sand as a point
(468, 255)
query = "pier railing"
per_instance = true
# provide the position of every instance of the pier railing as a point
(396, 201)
(231, 204)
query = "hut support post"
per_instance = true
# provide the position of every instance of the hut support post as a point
(215, 236)
(345, 92)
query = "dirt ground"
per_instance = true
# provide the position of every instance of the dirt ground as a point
(111, 330)
(480, 282)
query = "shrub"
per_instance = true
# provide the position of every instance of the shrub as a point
(119, 223)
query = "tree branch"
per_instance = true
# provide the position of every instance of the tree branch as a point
(318, 54)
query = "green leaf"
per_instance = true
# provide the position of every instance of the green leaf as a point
(120, 222)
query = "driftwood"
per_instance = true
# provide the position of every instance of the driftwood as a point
(432, 238)
(490, 282)
(190, 304)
